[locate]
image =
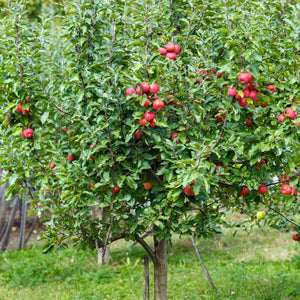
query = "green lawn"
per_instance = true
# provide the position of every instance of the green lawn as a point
(263, 265)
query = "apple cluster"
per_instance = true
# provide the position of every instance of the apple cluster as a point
(170, 51)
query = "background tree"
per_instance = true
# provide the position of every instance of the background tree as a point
(85, 147)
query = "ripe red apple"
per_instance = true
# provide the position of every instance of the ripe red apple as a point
(286, 189)
(27, 133)
(179, 104)
(158, 104)
(154, 89)
(47, 192)
(222, 175)
(272, 88)
(19, 108)
(188, 191)
(177, 49)
(220, 75)
(91, 184)
(296, 236)
(231, 91)
(170, 47)
(116, 189)
(245, 78)
(246, 93)
(244, 191)
(252, 95)
(143, 121)
(149, 115)
(52, 166)
(138, 90)
(146, 104)
(291, 113)
(130, 91)
(145, 86)
(70, 157)
(285, 178)
(264, 104)
(238, 96)
(281, 118)
(262, 189)
(248, 123)
(137, 134)
(220, 118)
(294, 191)
(171, 55)
(162, 51)
(174, 135)
(152, 124)
(243, 102)
(148, 185)
(26, 111)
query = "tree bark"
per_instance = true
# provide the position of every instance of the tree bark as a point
(104, 254)
(160, 269)
(3, 205)
(23, 223)
(146, 295)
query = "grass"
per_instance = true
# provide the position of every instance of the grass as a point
(263, 265)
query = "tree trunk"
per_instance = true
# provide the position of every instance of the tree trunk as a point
(160, 269)
(23, 223)
(3, 205)
(104, 254)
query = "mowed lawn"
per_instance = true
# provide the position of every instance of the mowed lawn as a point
(262, 265)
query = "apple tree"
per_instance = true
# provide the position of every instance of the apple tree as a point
(159, 114)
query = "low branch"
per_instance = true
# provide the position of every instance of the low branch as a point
(147, 248)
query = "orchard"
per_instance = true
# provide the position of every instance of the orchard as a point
(152, 116)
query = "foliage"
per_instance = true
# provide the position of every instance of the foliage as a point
(72, 70)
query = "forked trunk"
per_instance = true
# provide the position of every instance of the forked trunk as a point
(160, 269)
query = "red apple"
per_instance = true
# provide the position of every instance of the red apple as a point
(245, 78)
(281, 118)
(220, 75)
(116, 189)
(231, 91)
(264, 104)
(188, 191)
(130, 91)
(174, 135)
(222, 175)
(70, 157)
(296, 237)
(158, 104)
(238, 96)
(148, 185)
(52, 166)
(179, 104)
(137, 134)
(145, 86)
(91, 184)
(149, 115)
(152, 124)
(47, 192)
(243, 102)
(170, 47)
(246, 93)
(262, 189)
(27, 133)
(177, 49)
(146, 104)
(138, 90)
(171, 55)
(252, 95)
(248, 123)
(294, 191)
(272, 88)
(19, 108)
(143, 121)
(286, 189)
(154, 89)
(162, 51)
(244, 191)
(291, 113)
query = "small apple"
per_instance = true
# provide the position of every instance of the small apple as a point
(152, 124)
(231, 91)
(52, 166)
(296, 237)
(149, 115)
(294, 191)
(260, 215)
(285, 178)
(272, 88)
(170, 47)
(286, 189)
(291, 113)
(19, 108)
(27, 133)
(116, 189)
(143, 121)
(162, 51)
(158, 104)
(243, 102)
(148, 185)
(238, 96)
(154, 89)
(262, 189)
(179, 104)
(177, 49)
(222, 175)
(252, 95)
(137, 134)
(220, 75)
(171, 55)
(244, 191)
(246, 93)
(281, 118)
(70, 158)
(248, 123)
(138, 90)
(245, 78)
(174, 135)
(145, 86)
(130, 91)
(146, 104)
(188, 191)
(264, 104)
(91, 184)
